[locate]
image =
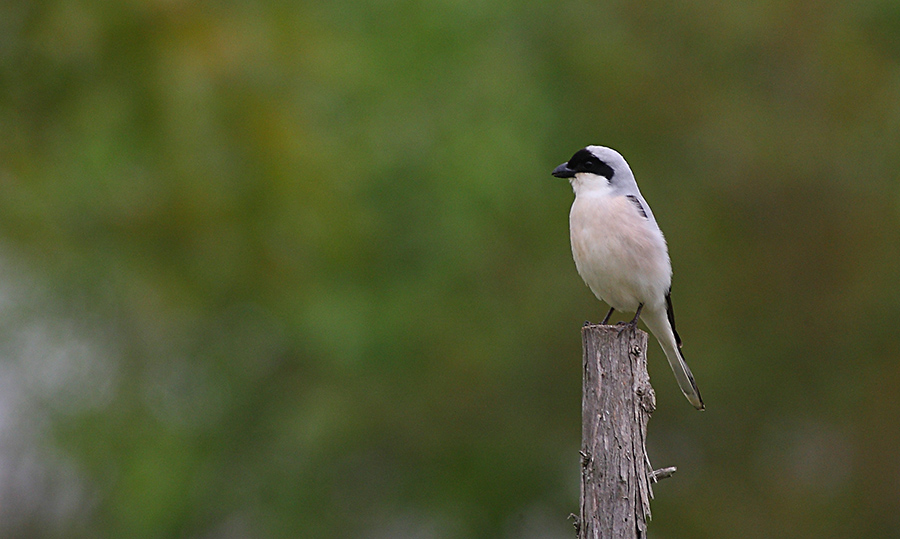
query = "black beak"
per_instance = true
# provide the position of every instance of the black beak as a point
(563, 171)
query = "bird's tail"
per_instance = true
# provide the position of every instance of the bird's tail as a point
(662, 327)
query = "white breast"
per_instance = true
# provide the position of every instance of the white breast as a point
(620, 255)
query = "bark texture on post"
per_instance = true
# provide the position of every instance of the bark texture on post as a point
(616, 405)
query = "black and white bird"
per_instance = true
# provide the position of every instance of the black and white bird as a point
(621, 253)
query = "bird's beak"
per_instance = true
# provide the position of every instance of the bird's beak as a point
(563, 171)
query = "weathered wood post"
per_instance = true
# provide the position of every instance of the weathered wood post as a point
(616, 405)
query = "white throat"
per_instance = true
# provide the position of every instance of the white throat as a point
(590, 184)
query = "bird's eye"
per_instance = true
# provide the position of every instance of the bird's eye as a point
(589, 164)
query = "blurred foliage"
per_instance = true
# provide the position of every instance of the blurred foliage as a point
(281, 269)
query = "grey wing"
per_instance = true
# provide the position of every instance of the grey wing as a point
(642, 207)
(670, 313)
(637, 203)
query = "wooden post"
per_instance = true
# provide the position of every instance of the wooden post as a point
(616, 405)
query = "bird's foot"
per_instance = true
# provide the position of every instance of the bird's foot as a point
(628, 325)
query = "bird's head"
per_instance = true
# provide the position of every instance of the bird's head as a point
(595, 166)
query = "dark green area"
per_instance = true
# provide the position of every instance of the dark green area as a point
(299, 269)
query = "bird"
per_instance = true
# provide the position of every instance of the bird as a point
(620, 251)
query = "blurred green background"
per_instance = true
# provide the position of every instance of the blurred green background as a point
(299, 269)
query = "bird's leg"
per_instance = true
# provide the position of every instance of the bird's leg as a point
(634, 321)
(606, 319)
(637, 315)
